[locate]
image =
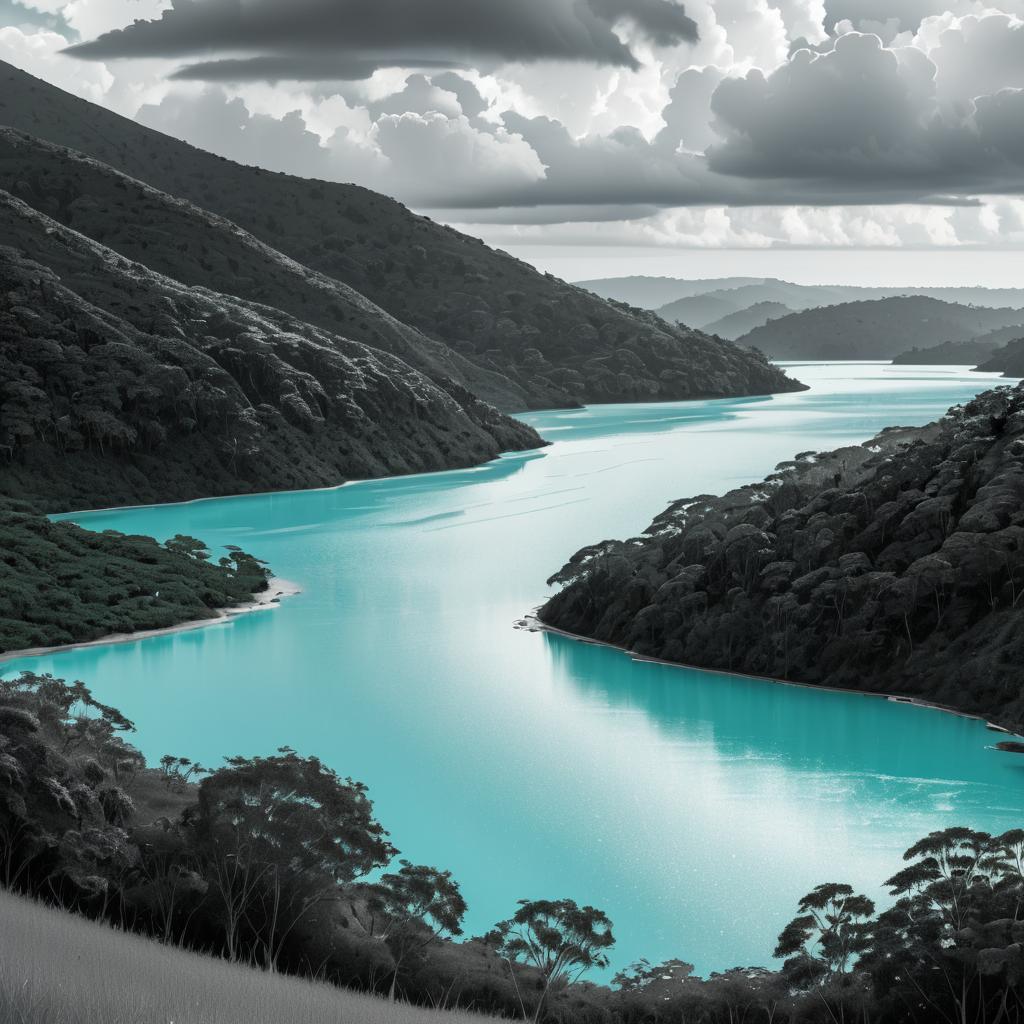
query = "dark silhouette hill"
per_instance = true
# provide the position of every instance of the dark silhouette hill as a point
(735, 325)
(894, 566)
(876, 329)
(560, 345)
(1008, 360)
(121, 385)
(962, 353)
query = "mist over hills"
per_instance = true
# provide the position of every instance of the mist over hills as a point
(662, 293)
(534, 341)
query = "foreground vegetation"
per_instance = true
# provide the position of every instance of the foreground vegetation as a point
(60, 584)
(268, 862)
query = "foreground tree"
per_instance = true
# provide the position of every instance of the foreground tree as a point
(420, 905)
(278, 836)
(557, 938)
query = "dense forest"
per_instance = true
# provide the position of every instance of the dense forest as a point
(894, 566)
(554, 344)
(60, 584)
(122, 386)
(279, 862)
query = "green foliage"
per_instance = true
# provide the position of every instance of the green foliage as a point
(61, 584)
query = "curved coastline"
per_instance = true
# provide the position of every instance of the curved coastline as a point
(533, 624)
(277, 589)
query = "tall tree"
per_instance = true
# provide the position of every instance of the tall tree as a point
(558, 938)
(280, 835)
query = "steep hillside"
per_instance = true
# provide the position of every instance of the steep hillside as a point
(735, 325)
(60, 584)
(181, 240)
(559, 344)
(878, 329)
(122, 386)
(895, 566)
(1008, 360)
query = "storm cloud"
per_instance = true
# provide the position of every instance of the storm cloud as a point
(323, 39)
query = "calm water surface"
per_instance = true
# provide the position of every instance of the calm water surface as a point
(694, 808)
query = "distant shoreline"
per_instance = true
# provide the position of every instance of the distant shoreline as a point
(276, 590)
(534, 624)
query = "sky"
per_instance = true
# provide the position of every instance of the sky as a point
(861, 141)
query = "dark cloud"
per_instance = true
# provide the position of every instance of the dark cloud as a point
(864, 120)
(470, 100)
(20, 16)
(299, 67)
(313, 39)
(663, 21)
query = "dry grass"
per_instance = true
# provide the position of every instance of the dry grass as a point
(56, 968)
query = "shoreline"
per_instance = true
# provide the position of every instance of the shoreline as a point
(277, 589)
(532, 624)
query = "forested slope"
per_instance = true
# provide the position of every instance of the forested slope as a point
(60, 584)
(893, 566)
(558, 344)
(123, 386)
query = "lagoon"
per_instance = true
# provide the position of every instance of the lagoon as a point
(694, 808)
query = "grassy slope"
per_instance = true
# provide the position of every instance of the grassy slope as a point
(559, 344)
(57, 968)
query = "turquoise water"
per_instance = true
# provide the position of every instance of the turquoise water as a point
(694, 808)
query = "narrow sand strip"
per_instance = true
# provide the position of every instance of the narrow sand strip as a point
(531, 623)
(266, 599)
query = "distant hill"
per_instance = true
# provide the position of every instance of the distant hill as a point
(949, 353)
(534, 340)
(657, 292)
(122, 385)
(1008, 360)
(654, 292)
(698, 310)
(734, 325)
(877, 329)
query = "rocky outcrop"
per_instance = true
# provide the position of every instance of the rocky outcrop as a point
(120, 385)
(533, 340)
(894, 566)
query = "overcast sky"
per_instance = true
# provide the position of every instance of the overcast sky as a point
(868, 139)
